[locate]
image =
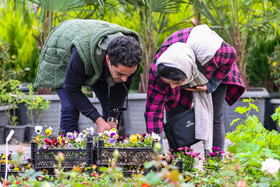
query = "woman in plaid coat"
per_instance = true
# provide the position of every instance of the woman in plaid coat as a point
(199, 49)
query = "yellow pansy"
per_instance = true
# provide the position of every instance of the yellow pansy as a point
(48, 132)
(138, 136)
(85, 132)
(133, 138)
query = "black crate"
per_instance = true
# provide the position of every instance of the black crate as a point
(127, 156)
(3, 169)
(45, 159)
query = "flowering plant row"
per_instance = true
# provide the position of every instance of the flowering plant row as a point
(71, 140)
(75, 140)
(112, 139)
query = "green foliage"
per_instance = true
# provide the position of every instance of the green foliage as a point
(260, 71)
(10, 97)
(7, 64)
(35, 105)
(252, 143)
(20, 38)
(274, 63)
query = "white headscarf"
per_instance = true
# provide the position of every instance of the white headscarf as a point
(181, 56)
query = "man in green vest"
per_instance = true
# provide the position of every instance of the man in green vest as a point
(91, 53)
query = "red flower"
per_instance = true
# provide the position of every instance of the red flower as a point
(17, 182)
(48, 142)
(55, 142)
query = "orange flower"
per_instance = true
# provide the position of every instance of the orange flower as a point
(75, 168)
(145, 185)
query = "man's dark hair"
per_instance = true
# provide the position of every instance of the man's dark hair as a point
(171, 73)
(124, 50)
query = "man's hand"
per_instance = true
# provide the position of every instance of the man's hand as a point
(102, 125)
(112, 124)
(202, 88)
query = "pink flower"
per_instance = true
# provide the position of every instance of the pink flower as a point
(188, 153)
(214, 149)
(212, 154)
(180, 149)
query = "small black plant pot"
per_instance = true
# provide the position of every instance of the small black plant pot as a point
(2, 134)
(18, 136)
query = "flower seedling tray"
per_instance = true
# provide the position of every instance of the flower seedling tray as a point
(45, 159)
(3, 169)
(127, 156)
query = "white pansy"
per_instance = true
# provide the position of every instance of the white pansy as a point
(78, 140)
(271, 166)
(38, 129)
(155, 136)
(82, 136)
(90, 131)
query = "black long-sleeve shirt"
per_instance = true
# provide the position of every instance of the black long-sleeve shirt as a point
(75, 79)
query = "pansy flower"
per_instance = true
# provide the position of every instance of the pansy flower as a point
(69, 135)
(48, 132)
(38, 129)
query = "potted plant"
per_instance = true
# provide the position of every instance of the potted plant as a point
(10, 97)
(35, 106)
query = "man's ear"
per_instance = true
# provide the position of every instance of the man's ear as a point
(107, 60)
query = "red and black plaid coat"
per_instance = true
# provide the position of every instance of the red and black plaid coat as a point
(222, 67)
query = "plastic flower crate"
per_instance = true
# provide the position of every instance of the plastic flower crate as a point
(3, 169)
(45, 159)
(127, 156)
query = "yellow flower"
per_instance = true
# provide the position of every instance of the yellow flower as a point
(36, 139)
(133, 138)
(85, 132)
(16, 169)
(48, 132)
(138, 136)
(274, 64)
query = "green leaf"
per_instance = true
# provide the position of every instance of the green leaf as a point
(234, 121)
(242, 110)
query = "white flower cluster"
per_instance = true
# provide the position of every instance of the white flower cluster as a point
(271, 166)
(155, 136)
(108, 133)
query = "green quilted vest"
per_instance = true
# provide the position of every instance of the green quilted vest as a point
(84, 35)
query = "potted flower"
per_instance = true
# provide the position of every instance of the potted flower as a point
(10, 97)
(76, 147)
(35, 106)
(133, 151)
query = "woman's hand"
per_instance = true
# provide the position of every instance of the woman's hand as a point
(202, 88)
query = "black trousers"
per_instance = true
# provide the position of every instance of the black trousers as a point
(218, 98)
